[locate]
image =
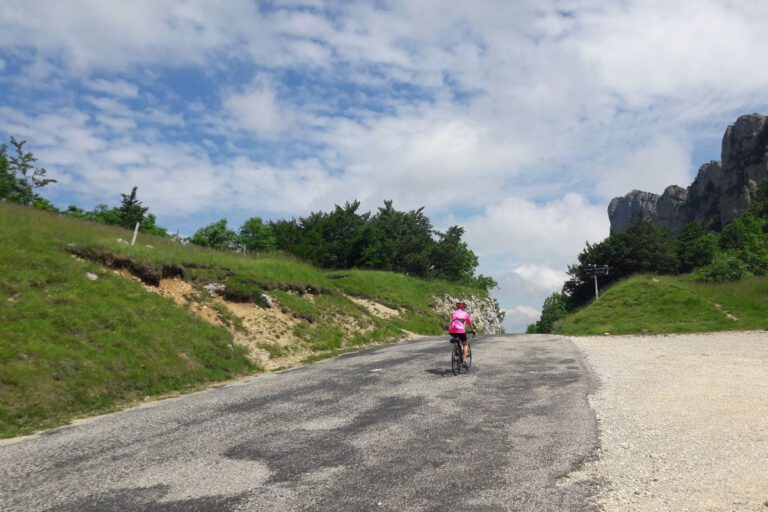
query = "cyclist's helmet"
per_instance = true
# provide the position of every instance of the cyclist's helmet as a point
(461, 305)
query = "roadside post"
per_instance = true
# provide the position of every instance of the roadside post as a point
(594, 271)
(135, 232)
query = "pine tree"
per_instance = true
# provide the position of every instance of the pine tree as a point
(131, 210)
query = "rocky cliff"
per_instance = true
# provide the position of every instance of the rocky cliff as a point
(721, 191)
(486, 313)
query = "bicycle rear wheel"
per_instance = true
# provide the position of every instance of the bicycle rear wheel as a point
(455, 360)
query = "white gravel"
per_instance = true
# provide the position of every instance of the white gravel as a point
(683, 422)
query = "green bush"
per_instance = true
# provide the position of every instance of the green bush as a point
(244, 289)
(724, 267)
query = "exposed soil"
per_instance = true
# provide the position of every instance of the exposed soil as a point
(375, 308)
(267, 333)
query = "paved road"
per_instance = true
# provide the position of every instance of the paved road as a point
(389, 428)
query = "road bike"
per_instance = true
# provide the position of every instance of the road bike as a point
(458, 362)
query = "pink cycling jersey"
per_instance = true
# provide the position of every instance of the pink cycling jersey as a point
(458, 319)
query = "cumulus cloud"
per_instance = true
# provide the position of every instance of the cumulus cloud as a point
(519, 317)
(516, 230)
(663, 161)
(258, 108)
(119, 88)
(517, 120)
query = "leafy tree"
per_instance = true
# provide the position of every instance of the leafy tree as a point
(745, 237)
(344, 236)
(641, 248)
(131, 212)
(103, 213)
(451, 257)
(554, 309)
(19, 178)
(255, 235)
(149, 225)
(695, 247)
(288, 234)
(216, 236)
(7, 181)
(485, 282)
(400, 241)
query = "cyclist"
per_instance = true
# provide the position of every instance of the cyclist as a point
(458, 328)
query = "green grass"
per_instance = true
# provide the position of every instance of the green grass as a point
(403, 293)
(672, 304)
(71, 347)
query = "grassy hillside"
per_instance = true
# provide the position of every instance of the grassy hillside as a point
(72, 346)
(672, 304)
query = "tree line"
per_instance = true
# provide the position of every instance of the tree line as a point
(344, 238)
(738, 251)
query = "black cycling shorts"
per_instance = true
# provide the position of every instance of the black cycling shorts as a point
(461, 335)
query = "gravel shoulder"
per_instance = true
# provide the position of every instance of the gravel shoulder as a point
(683, 422)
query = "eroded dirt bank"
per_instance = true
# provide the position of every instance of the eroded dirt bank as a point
(683, 422)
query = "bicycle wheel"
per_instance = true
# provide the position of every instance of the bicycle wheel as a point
(468, 360)
(455, 360)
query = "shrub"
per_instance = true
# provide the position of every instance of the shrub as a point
(724, 267)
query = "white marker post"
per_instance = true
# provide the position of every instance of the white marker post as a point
(135, 232)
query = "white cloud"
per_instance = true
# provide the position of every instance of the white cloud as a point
(516, 231)
(644, 49)
(119, 88)
(519, 317)
(541, 279)
(510, 118)
(259, 109)
(663, 161)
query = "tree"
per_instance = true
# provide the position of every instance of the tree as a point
(19, 178)
(7, 182)
(451, 259)
(486, 282)
(215, 236)
(255, 235)
(641, 248)
(130, 210)
(400, 241)
(148, 225)
(745, 237)
(695, 247)
(554, 309)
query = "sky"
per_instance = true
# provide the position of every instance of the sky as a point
(517, 119)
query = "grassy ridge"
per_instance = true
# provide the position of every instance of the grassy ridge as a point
(672, 304)
(71, 346)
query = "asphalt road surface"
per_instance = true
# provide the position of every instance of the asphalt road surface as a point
(389, 428)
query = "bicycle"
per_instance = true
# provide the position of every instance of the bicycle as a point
(457, 357)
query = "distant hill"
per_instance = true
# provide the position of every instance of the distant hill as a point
(721, 191)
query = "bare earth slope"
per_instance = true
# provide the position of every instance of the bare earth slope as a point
(683, 422)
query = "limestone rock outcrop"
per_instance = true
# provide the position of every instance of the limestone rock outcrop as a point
(486, 313)
(721, 191)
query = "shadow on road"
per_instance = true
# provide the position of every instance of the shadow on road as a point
(442, 372)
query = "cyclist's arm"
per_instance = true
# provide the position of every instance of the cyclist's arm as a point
(472, 326)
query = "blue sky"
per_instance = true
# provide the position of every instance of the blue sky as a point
(518, 120)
